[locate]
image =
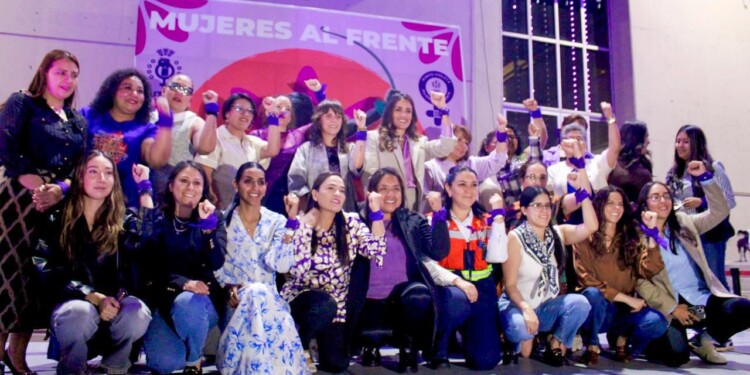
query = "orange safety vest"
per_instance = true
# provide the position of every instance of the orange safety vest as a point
(468, 255)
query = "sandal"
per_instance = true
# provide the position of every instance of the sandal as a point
(554, 357)
(590, 358)
(621, 354)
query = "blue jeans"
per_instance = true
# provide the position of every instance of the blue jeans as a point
(476, 321)
(170, 349)
(616, 318)
(561, 316)
(716, 253)
(74, 323)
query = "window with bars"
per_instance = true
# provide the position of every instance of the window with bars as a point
(557, 51)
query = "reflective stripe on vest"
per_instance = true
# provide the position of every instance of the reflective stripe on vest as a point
(467, 255)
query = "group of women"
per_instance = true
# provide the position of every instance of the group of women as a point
(547, 253)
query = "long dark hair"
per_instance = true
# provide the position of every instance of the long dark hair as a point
(476, 208)
(486, 142)
(169, 204)
(39, 83)
(372, 185)
(519, 144)
(676, 230)
(105, 97)
(698, 151)
(237, 177)
(315, 133)
(387, 131)
(626, 237)
(339, 223)
(527, 197)
(633, 134)
(108, 222)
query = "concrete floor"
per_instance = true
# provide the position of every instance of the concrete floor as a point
(739, 362)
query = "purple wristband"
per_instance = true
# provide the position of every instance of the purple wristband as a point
(208, 223)
(165, 120)
(582, 195)
(211, 109)
(501, 136)
(443, 111)
(496, 212)
(63, 186)
(439, 215)
(145, 187)
(272, 119)
(537, 113)
(377, 215)
(292, 223)
(579, 163)
(360, 135)
(705, 176)
(321, 94)
(654, 233)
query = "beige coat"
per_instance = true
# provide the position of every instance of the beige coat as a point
(420, 150)
(657, 290)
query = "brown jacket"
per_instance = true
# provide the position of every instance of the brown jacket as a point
(657, 291)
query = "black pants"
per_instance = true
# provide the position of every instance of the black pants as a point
(313, 311)
(724, 318)
(407, 312)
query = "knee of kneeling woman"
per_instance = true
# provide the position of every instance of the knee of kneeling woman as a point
(191, 301)
(576, 304)
(75, 320)
(594, 296)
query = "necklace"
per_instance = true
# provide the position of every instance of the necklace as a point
(179, 225)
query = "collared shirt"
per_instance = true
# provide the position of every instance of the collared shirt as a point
(233, 151)
(597, 170)
(486, 167)
(685, 276)
(464, 225)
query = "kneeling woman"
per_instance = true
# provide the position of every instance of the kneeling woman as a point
(536, 261)
(468, 300)
(401, 293)
(608, 265)
(318, 283)
(184, 244)
(88, 250)
(259, 244)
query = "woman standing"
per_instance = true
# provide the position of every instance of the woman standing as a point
(235, 147)
(397, 144)
(184, 244)
(634, 168)
(42, 138)
(119, 124)
(327, 151)
(259, 245)
(535, 271)
(88, 245)
(608, 264)
(318, 284)
(691, 145)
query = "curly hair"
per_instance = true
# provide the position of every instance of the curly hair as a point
(387, 131)
(109, 217)
(315, 134)
(626, 236)
(105, 97)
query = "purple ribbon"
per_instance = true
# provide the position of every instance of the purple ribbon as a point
(208, 223)
(292, 223)
(579, 163)
(439, 215)
(581, 195)
(165, 120)
(360, 135)
(496, 212)
(321, 94)
(211, 109)
(705, 176)
(537, 113)
(501, 136)
(377, 215)
(273, 119)
(63, 186)
(654, 233)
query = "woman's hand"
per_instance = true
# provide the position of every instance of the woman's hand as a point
(210, 96)
(313, 84)
(691, 202)
(269, 104)
(233, 299)
(46, 196)
(108, 308)
(205, 209)
(435, 201)
(360, 117)
(291, 204)
(438, 99)
(497, 201)
(649, 219)
(531, 320)
(696, 168)
(636, 304)
(502, 123)
(140, 172)
(468, 288)
(684, 316)
(374, 199)
(196, 286)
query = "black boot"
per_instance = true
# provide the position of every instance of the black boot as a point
(370, 357)
(407, 359)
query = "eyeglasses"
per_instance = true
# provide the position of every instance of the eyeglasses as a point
(543, 206)
(533, 177)
(663, 197)
(174, 86)
(240, 109)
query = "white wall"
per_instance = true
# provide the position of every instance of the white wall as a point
(102, 35)
(691, 65)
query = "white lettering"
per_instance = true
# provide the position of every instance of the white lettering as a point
(209, 26)
(388, 42)
(328, 38)
(441, 47)
(192, 25)
(283, 30)
(425, 42)
(157, 21)
(353, 35)
(311, 32)
(244, 26)
(264, 28)
(224, 25)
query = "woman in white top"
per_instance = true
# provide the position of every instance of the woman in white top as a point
(191, 135)
(235, 147)
(532, 301)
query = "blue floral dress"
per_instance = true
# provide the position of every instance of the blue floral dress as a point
(260, 337)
